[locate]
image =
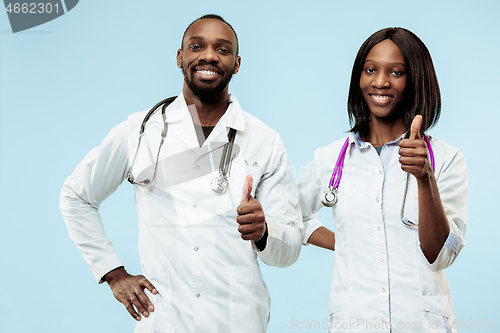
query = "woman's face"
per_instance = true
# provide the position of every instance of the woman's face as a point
(383, 80)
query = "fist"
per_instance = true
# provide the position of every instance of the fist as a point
(414, 157)
(251, 218)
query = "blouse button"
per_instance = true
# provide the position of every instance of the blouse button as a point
(194, 206)
(383, 290)
(197, 167)
(198, 295)
(381, 259)
(378, 228)
(196, 249)
(377, 199)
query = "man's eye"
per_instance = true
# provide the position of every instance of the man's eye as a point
(223, 50)
(194, 47)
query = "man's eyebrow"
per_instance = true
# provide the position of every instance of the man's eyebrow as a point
(225, 41)
(219, 39)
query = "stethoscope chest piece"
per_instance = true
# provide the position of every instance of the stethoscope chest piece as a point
(329, 197)
(219, 184)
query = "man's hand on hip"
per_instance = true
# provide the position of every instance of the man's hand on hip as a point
(129, 290)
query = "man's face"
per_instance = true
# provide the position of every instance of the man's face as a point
(208, 58)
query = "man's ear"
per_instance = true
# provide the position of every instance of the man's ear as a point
(237, 65)
(179, 58)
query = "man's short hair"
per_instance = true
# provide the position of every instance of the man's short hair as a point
(212, 17)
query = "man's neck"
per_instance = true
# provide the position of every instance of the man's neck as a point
(206, 114)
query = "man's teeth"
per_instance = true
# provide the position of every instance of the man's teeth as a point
(205, 72)
(378, 98)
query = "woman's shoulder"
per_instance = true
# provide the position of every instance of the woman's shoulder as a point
(442, 147)
(446, 155)
(332, 148)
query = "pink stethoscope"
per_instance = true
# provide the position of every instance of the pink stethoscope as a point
(329, 198)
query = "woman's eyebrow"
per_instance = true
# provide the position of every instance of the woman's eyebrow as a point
(392, 63)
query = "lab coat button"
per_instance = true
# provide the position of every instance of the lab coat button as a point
(197, 167)
(381, 259)
(194, 206)
(196, 249)
(198, 295)
(380, 172)
(383, 290)
(377, 199)
(378, 228)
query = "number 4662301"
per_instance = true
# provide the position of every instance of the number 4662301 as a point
(31, 8)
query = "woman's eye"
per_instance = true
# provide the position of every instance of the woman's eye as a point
(370, 70)
(397, 73)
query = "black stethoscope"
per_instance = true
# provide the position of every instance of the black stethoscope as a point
(219, 183)
(329, 198)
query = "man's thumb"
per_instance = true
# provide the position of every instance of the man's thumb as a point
(247, 189)
(415, 127)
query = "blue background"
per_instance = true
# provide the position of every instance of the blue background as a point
(65, 84)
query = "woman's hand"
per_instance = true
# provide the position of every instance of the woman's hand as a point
(414, 156)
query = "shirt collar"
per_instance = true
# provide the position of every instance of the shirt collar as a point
(356, 140)
(234, 117)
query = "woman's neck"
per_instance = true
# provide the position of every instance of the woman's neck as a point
(382, 132)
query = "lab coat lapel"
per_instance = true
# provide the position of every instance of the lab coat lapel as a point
(185, 131)
(232, 118)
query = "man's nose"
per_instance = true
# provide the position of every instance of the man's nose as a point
(209, 55)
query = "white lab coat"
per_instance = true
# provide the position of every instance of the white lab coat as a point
(208, 278)
(381, 276)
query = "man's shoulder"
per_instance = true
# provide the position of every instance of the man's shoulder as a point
(257, 124)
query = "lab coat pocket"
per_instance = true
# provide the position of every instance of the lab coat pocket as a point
(158, 274)
(339, 319)
(249, 300)
(439, 314)
(230, 200)
(160, 320)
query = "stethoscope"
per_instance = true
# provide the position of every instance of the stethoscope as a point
(219, 184)
(329, 198)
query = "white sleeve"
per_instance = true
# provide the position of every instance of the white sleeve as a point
(93, 180)
(277, 193)
(310, 187)
(452, 183)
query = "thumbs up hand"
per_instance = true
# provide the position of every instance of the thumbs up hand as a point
(251, 218)
(414, 157)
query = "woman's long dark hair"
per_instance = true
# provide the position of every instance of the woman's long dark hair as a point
(421, 95)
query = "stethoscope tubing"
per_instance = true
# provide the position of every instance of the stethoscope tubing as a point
(329, 197)
(219, 184)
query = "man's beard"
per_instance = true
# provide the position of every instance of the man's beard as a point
(206, 94)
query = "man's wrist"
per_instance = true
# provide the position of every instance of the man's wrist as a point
(261, 243)
(113, 274)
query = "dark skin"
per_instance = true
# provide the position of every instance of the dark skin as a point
(383, 82)
(209, 47)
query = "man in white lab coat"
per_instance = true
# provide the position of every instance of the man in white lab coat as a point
(198, 248)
